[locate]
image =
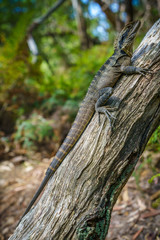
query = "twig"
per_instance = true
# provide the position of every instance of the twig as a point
(40, 20)
(137, 233)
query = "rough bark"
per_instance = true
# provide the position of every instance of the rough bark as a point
(78, 200)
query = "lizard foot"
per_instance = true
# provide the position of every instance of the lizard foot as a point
(144, 71)
(107, 113)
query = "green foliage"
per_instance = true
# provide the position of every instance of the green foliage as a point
(16, 65)
(75, 79)
(56, 99)
(33, 131)
(153, 145)
(145, 163)
(45, 84)
(154, 141)
(156, 203)
(153, 177)
(59, 98)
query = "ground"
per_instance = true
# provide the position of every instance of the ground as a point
(133, 216)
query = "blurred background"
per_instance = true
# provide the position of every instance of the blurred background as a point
(49, 53)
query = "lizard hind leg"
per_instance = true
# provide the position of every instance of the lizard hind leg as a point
(105, 94)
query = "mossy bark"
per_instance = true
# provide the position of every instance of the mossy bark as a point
(78, 200)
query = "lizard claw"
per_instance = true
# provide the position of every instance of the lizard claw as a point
(144, 71)
(108, 115)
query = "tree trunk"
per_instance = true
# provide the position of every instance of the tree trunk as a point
(129, 10)
(78, 200)
(81, 25)
(109, 14)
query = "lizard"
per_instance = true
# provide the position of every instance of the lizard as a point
(99, 91)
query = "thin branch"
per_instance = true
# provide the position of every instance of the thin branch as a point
(109, 14)
(36, 22)
(40, 20)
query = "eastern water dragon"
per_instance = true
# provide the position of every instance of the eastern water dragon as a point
(99, 91)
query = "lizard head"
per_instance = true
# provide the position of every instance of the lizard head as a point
(126, 37)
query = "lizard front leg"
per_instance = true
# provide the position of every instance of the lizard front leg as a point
(104, 95)
(132, 70)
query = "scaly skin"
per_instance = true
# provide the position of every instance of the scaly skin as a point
(98, 93)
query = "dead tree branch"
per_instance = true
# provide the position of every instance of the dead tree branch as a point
(36, 22)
